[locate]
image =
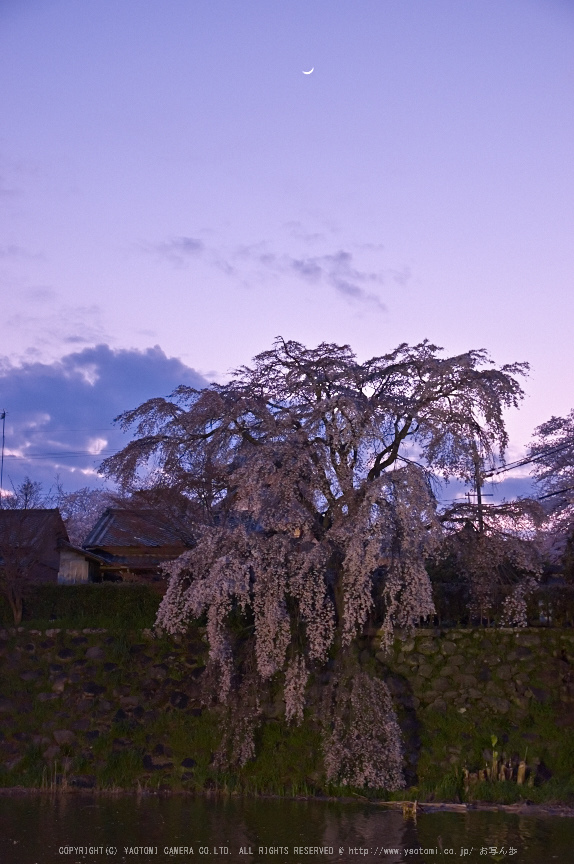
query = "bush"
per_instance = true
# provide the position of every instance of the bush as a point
(113, 605)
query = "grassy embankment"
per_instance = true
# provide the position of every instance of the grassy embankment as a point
(117, 709)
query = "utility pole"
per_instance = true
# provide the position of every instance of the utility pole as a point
(478, 487)
(3, 418)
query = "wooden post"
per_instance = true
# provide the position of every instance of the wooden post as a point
(478, 487)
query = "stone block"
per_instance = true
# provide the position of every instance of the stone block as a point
(428, 646)
(92, 689)
(156, 763)
(528, 639)
(59, 685)
(448, 671)
(464, 680)
(498, 704)
(159, 672)
(64, 736)
(425, 671)
(178, 699)
(452, 695)
(505, 673)
(539, 694)
(406, 647)
(449, 647)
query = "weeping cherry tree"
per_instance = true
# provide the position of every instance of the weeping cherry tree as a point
(311, 472)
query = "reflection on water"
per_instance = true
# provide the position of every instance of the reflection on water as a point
(39, 830)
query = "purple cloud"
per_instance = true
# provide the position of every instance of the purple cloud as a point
(177, 250)
(59, 416)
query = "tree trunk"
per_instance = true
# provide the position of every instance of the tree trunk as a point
(17, 607)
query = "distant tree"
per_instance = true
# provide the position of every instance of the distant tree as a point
(22, 537)
(311, 473)
(18, 546)
(18, 557)
(29, 541)
(552, 448)
(81, 509)
(496, 555)
(27, 496)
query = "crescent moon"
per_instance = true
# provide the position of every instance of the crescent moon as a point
(309, 72)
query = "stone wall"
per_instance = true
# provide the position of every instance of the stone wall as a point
(103, 709)
(486, 670)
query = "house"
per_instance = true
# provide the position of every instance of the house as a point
(78, 565)
(34, 546)
(132, 544)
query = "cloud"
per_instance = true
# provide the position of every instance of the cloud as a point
(39, 321)
(12, 250)
(297, 230)
(177, 250)
(255, 262)
(6, 191)
(338, 270)
(40, 294)
(308, 268)
(59, 416)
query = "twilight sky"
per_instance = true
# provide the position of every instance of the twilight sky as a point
(169, 177)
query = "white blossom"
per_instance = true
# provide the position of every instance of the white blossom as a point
(363, 747)
(310, 516)
(296, 678)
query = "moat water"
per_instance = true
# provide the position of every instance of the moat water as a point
(67, 830)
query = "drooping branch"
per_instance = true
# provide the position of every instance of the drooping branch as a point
(311, 471)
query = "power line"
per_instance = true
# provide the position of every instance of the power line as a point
(521, 462)
(558, 492)
(62, 455)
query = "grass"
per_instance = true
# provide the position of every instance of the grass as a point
(441, 733)
(121, 769)
(287, 756)
(289, 759)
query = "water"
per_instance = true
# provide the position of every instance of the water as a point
(36, 830)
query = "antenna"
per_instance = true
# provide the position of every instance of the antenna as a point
(3, 418)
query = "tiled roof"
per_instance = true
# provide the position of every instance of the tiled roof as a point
(34, 526)
(136, 528)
